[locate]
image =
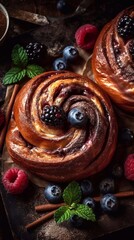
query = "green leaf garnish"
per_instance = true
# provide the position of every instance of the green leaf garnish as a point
(33, 70)
(14, 75)
(62, 214)
(19, 56)
(72, 193)
(20, 67)
(85, 212)
(72, 196)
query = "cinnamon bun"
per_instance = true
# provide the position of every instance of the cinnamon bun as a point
(66, 152)
(113, 59)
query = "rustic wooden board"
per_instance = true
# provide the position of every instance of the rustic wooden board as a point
(20, 209)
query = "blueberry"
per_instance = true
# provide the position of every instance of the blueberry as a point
(107, 186)
(77, 117)
(109, 203)
(89, 202)
(62, 6)
(76, 221)
(53, 193)
(117, 171)
(59, 64)
(86, 187)
(126, 136)
(70, 53)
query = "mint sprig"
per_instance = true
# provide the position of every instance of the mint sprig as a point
(14, 75)
(72, 196)
(20, 68)
(72, 193)
(62, 214)
(19, 56)
(33, 70)
(85, 212)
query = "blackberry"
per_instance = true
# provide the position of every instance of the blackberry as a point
(125, 27)
(117, 171)
(35, 52)
(107, 185)
(131, 48)
(53, 115)
(126, 136)
(77, 221)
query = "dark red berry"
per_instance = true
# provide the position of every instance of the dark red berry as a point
(125, 27)
(15, 180)
(86, 36)
(53, 115)
(129, 167)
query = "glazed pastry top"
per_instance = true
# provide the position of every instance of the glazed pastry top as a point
(113, 59)
(67, 145)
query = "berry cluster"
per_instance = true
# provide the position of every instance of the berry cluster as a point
(125, 27)
(86, 36)
(129, 167)
(108, 202)
(70, 54)
(53, 115)
(15, 180)
(35, 52)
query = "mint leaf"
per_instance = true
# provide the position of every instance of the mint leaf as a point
(85, 212)
(72, 193)
(62, 214)
(19, 56)
(33, 70)
(14, 75)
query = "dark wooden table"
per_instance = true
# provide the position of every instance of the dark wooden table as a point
(20, 209)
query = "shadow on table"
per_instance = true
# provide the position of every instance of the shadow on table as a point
(5, 233)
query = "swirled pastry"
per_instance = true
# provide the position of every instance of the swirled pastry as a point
(113, 59)
(62, 152)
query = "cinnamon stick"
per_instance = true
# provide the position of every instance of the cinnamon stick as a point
(40, 220)
(124, 194)
(48, 207)
(8, 115)
(119, 195)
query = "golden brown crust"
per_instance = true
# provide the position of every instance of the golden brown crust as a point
(62, 154)
(112, 64)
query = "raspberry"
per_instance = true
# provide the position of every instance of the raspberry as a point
(15, 180)
(2, 119)
(53, 115)
(86, 36)
(129, 167)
